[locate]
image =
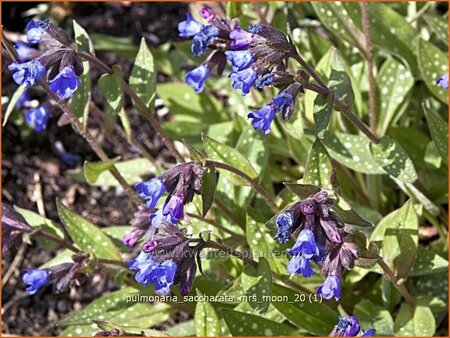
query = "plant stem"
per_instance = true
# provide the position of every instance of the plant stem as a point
(254, 184)
(140, 105)
(398, 283)
(368, 54)
(61, 242)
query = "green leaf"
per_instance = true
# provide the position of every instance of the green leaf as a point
(182, 329)
(207, 323)
(293, 125)
(418, 321)
(439, 24)
(257, 285)
(433, 64)
(439, 132)
(399, 247)
(262, 244)
(92, 170)
(143, 75)
(118, 307)
(428, 262)
(340, 83)
(103, 42)
(111, 86)
(352, 151)
(394, 160)
(319, 169)
(12, 104)
(374, 316)
(222, 153)
(209, 183)
(79, 102)
(323, 107)
(86, 235)
(252, 145)
(37, 221)
(244, 324)
(316, 318)
(394, 82)
(432, 156)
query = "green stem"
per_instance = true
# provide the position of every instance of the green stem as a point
(61, 242)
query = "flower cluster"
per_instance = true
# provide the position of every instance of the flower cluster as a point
(323, 238)
(348, 326)
(166, 258)
(258, 56)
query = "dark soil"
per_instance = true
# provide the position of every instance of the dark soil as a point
(32, 172)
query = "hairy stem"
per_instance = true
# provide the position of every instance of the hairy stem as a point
(368, 54)
(139, 104)
(254, 184)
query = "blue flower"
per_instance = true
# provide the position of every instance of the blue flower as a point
(283, 101)
(263, 118)
(35, 279)
(348, 326)
(158, 217)
(23, 100)
(37, 118)
(27, 73)
(304, 249)
(189, 27)
(35, 29)
(174, 207)
(254, 28)
(203, 39)
(196, 78)
(24, 51)
(240, 59)
(284, 221)
(330, 288)
(240, 39)
(443, 81)
(243, 79)
(369, 333)
(265, 80)
(65, 83)
(151, 191)
(300, 265)
(148, 271)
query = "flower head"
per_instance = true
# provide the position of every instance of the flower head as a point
(35, 279)
(24, 51)
(282, 101)
(65, 83)
(443, 81)
(262, 118)
(240, 59)
(203, 39)
(37, 118)
(348, 326)
(174, 207)
(284, 221)
(243, 79)
(189, 27)
(240, 39)
(304, 249)
(196, 78)
(151, 191)
(207, 14)
(158, 217)
(35, 29)
(27, 73)
(265, 80)
(330, 288)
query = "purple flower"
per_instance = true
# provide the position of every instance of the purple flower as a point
(196, 78)
(207, 14)
(174, 207)
(263, 117)
(369, 333)
(300, 265)
(143, 264)
(24, 51)
(348, 326)
(35, 29)
(131, 238)
(243, 80)
(304, 249)
(35, 279)
(37, 118)
(265, 80)
(203, 39)
(158, 217)
(65, 83)
(284, 222)
(240, 39)
(189, 27)
(443, 81)
(27, 73)
(282, 101)
(151, 191)
(330, 288)
(240, 59)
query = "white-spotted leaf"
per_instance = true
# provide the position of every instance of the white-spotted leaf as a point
(143, 75)
(319, 169)
(207, 323)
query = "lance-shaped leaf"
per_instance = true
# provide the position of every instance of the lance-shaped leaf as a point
(319, 169)
(415, 321)
(92, 170)
(340, 83)
(399, 247)
(86, 235)
(428, 262)
(257, 285)
(433, 63)
(394, 160)
(222, 153)
(207, 323)
(143, 75)
(439, 24)
(439, 132)
(12, 104)
(209, 183)
(323, 107)
(111, 86)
